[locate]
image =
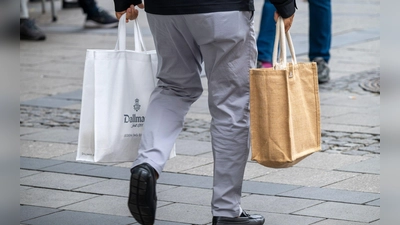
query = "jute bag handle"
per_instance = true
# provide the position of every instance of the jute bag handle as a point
(281, 41)
(121, 41)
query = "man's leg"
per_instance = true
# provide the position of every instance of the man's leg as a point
(227, 42)
(320, 32)
(266, 36)
(96, 17)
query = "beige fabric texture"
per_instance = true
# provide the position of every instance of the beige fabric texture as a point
(284, 114)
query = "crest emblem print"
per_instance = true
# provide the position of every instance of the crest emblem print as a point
(136, 106)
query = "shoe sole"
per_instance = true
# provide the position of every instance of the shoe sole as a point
(138, 205)
(92, 24)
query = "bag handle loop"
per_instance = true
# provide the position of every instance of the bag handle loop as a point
(121, 40)
(280, 41)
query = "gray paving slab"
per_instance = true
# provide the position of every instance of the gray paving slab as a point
(27, 173)
(338, 222)
(108, 187)
(188, 195)
(329, 194)
(182, 162)
(362, 182)
(30, 130)
(185, 213)
(27, 212)
(58, 181)
(355, 119)
(185, 180)
(266, 188)
(54, 135)
(109, 172)
(283, 219)
(44, 150)
(326, 161)
(371, 166)
(343, 211)
(79, 218)
(276, 204)
(36, 163)
(305, 177)
(192, 147)
(51, 198)
(73, 95)
(49, 102)
(72, 168)
(375, 203)
(348, 128)
(110, 205)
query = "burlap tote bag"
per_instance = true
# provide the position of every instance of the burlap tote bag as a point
(284, 108)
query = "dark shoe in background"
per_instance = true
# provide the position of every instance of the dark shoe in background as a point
(323, 70)
(243, 219)
(70, 4)
(29, 31)
(142, 201)
(101, 20)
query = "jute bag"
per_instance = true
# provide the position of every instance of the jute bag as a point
(284, 108)
(117, 85)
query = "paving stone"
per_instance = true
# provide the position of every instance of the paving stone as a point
(73, 95)
(305, 177)
(329, 194)
(343, 211)
(58, 181)
(363, 182)
(338, 222)
(281, 219)
(109, 172)
(80, 218)
(44, 150)
(206, 170)
(108, 187)
(361, 136)
(49, 102)
(54, 135)
(35, 163)
(375, 203)
(276, 204)
(51, 198)
(192, 147)
(266, 188)
(185, 213)
(27, 173)
(185, 180)
(30, 212)
(72, 168)
(347, 128)
(110, 205)
(29, 130)
(181, 163)
(371, 166)
(188, 195)
(322, 160)
(364, 141)
(375, 148)
(356, 119)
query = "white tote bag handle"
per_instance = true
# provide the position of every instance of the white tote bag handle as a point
(121, 41)
(281, 41)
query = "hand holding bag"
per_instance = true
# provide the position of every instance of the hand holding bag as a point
(284, 108)
(117, 86)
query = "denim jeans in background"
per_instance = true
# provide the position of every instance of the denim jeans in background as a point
(320, 32)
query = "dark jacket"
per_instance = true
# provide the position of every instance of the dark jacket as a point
(285, 8)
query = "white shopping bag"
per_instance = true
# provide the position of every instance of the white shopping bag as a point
(117, 85)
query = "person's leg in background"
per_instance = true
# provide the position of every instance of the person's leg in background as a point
(320, 35)
(95, 16)
(266, 36)
(27, 27)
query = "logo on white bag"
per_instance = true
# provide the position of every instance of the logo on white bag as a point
(135, 120)
(136, 106)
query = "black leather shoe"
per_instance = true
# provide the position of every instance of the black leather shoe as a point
(142, 202)
(243, 219)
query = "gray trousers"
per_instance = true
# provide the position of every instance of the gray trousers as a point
(226, 42)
